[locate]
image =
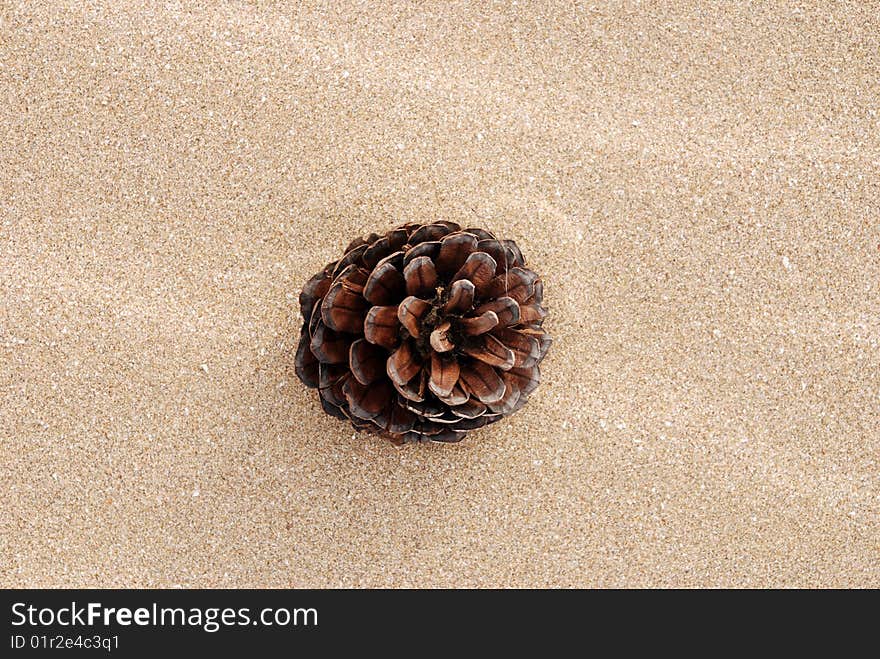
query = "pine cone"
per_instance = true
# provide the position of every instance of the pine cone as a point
(423, 333)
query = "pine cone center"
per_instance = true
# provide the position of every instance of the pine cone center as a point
(439, 331)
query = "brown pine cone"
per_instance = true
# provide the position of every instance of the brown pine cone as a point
(424, 333)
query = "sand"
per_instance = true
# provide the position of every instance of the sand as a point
(698, 183)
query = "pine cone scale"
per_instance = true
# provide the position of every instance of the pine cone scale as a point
(420, 276)
(367, 361)
(384, 285)
(381, 326)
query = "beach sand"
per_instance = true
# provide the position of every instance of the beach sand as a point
(699, 187)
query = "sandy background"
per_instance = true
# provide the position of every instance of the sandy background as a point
(699, 186)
